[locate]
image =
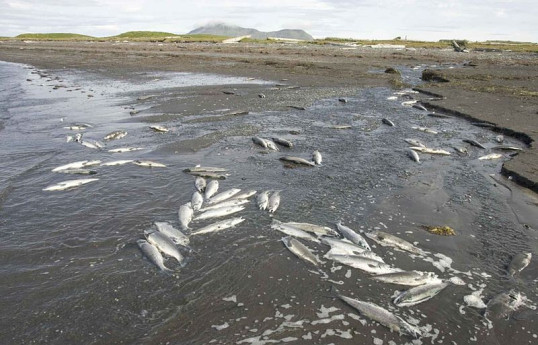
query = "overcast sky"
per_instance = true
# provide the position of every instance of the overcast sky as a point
(380, 19)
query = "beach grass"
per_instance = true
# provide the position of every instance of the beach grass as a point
(54, 37)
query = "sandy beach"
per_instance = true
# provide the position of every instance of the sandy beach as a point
(500, 88)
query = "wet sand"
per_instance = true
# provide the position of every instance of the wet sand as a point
(496, 87)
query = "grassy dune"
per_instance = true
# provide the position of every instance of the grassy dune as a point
(157, 36)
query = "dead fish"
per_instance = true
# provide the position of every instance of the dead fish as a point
(380, 315)
(443, 116)
(345, 247)
(282, 142)
(69, 184)
(352, 236)
(76, 165)
(197, 200)
(519, 262)
(474, 143)
(430, 150)
(204, 169)
(340, 126)
(271, 145)
(115, 135)
(316, 157)
(506, 148)
(263, 200)
(386, 239)
(504, 304)
(165, 245)
(342, 100)
(413, 155)
(149, 164)
(387, 122)
(158, 128)
(78, 137)
(118, 162)
(223, 196)
(245, 195)
(125, 149)
(408, 278)
(211, 188)
(291, 231)
(425, 130)
(260, 141)
(208, 174)
(490, 156)
(218, 226)
(79, 127)
(92, 145)
(227, 203)
(418, 294)
(419, 107)
(297, 160)
(414, 142)
(220, 212)
(200, 184)
(174, 234)
(79, 171)
(411, 102)
(461, 150)
(185, 214)
(499, 138)
(153, 254)
(300, 250)
(274, 202)
(313, 228)
(363, 264)
(296, 107)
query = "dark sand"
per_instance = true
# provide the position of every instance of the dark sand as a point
(497, 87)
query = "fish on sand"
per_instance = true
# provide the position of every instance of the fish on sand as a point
(300, 250)
(419, 294)
(153, 254)
(218, 226)
(69, 184)
(519, 262)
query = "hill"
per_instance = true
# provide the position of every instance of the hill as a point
(234, 31)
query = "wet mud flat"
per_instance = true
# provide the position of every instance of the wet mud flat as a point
(72, 262)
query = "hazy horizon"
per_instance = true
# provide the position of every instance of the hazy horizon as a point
(475, 20)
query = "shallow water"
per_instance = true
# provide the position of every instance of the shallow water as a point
(72, 272)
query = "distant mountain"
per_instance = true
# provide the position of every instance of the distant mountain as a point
(234, 31)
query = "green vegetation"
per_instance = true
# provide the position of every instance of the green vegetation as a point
(156, 36)
(54, 37)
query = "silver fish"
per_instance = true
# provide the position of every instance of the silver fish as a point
(352, 236)
(185, 214)
(430, 150)
(220, 212)
(69, 139)
(158, 128)
(364, 254)
(474, 143)
(209, 174)
(413, 155)
(205, 169)
(490, 156)
(291, 231)
(425, 130)
(263, 200)
(79, 171)
(76, 165)
(223, 196)
(283, 142)
(297, 160)
(504, 304)
(414, 142)
(115, 135)
(385, 239)
(499, 138)
(125, 149)
(418, 294)
(245, 195)
(69, 184)
(197, 200)
(78, 137)
(314, 228)
(341, 246)
(519, 262)
(408, 278)
(364, 264)
(175, 235)
(153, 254)
(274, 202)
(259, 141)
(316, 157)
(300, 250)
(218, 226)
(91, 145)
(507, 148)
(459, 149)
(387, 122)
(118, 162)
(227, 203)
(211, 188)
(271, 145)
(165, 245)
(200, 184)
(149, 164)
(381, 315)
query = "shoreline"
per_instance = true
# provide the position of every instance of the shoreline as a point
(497, 88)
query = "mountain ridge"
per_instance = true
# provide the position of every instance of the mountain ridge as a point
(234, 31)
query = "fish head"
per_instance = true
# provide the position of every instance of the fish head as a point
(409, 329)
